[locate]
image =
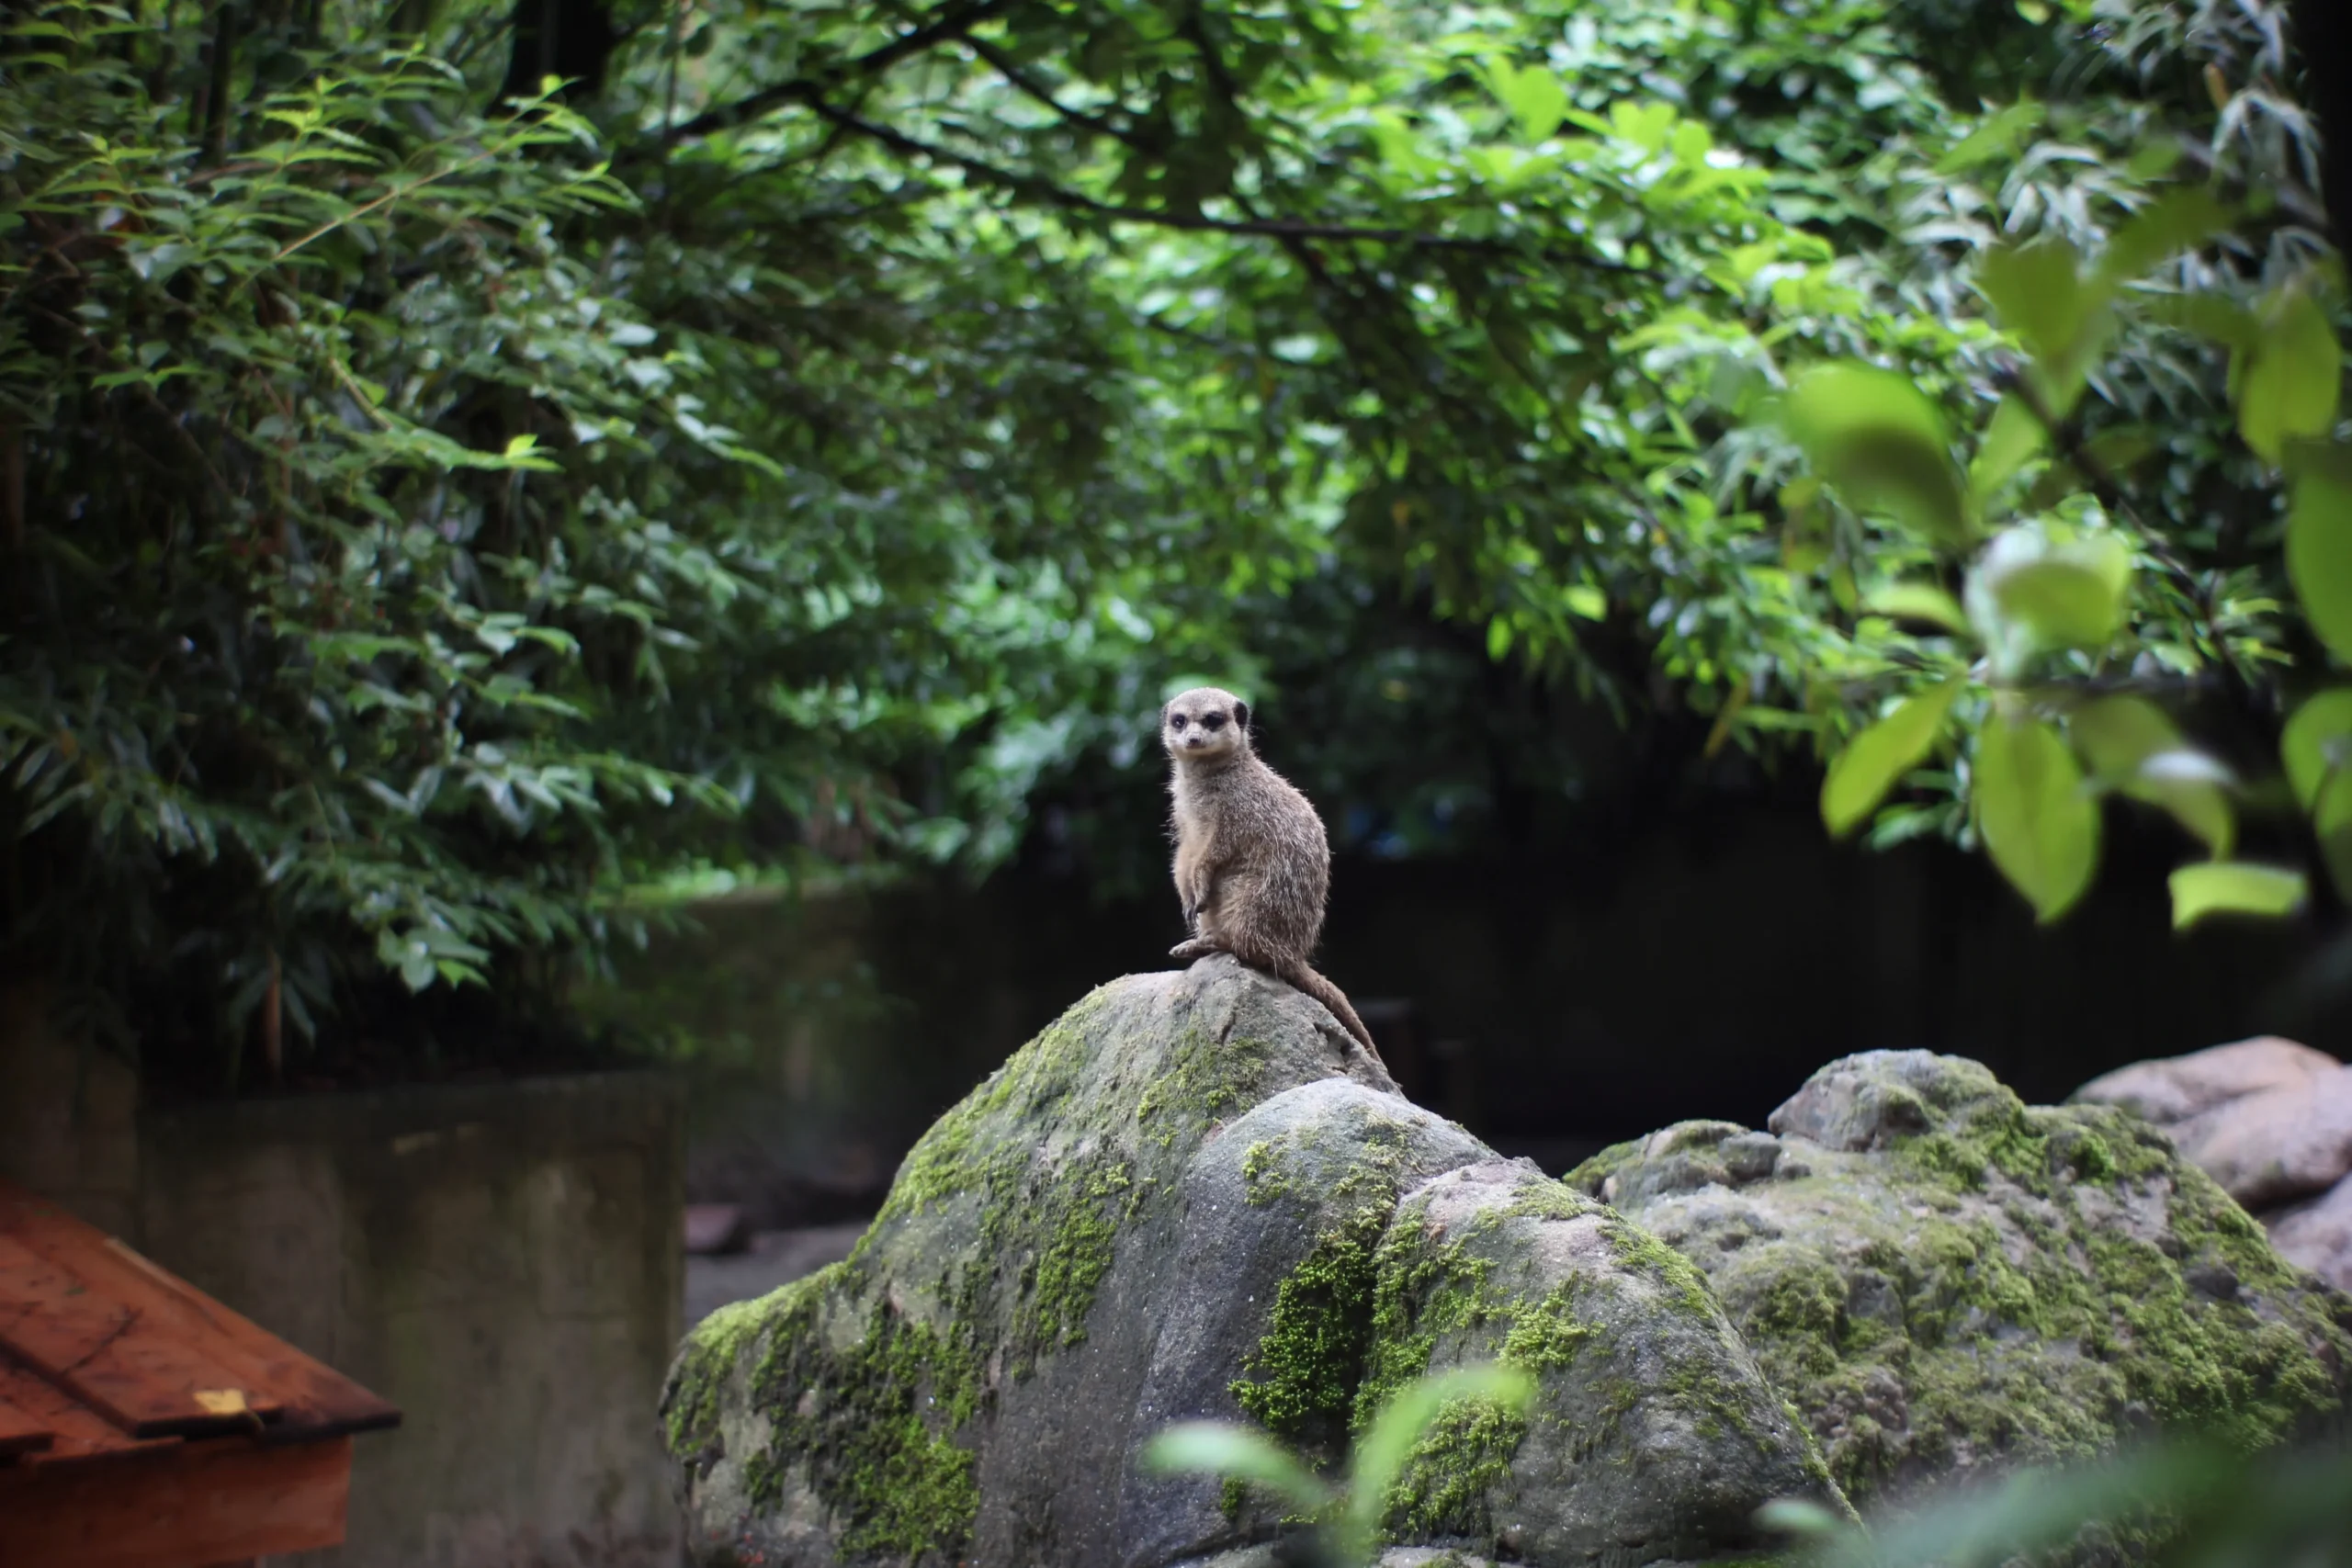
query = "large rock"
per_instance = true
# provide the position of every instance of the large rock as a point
(2265, 1117)
(1193, 1198)
(2172, 1090)
(2317, 1234)
(2278, 1145)
(2269, 1119)
(1945, 1278)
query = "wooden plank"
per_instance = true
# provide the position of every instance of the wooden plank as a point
(221, 1500)
(176, 1360)
(131, 1361)
(21, 1431)
(76, 1431)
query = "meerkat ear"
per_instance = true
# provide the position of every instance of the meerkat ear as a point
(1242, 713)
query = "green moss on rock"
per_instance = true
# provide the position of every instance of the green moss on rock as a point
(1460, 1470)
(872, 1427)
(1956, 1280)
(1301, 1381)
(691, 1403)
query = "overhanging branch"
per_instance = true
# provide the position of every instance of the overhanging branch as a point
(1047, 192)
(949, 21)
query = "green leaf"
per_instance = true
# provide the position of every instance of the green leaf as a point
(2131, 746)
(2070, 595)
(1995, 137)
(2319, 543)
(1536, 95)
(2121, 447)
(2316, 749)
(1882, 754)
(1878, 437)
(2037, 291)
(2211, 316)
(2235, 888)
(2177, 220)
(1586, 601)
(1917, 602)
(2010, 442)
(2316, 744)
(2038, 823)
(417, 968)
(1217, 1449)
(2292, 377)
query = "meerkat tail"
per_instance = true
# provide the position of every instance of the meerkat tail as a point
(1331, 997)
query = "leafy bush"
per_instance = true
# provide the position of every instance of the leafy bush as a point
(444, 514)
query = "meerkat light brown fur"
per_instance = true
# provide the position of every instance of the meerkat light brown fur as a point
(1253, 867)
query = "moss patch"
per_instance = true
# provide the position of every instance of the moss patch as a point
(1643, 1253)
(1449, 1485)
(1974, 1292)
(1300, 1383)
(690, 1404)
(1547, 1337)
(1206, 1077)
(872, 1427)
(1592, 1175)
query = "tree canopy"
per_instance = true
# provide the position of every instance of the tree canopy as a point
(464, 465)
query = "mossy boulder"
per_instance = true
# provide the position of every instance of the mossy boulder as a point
(1945, 1278)
(1194, 1198)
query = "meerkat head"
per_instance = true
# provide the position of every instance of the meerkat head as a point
(1204, 725)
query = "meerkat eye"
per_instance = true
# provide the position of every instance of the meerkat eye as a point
(1175, 721)
(1213, 721)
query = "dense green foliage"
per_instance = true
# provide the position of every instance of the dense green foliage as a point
(432, 513)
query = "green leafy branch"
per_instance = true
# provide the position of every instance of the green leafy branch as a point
(2048, 572)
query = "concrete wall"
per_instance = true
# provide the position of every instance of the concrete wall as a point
(502, 1262)
(69, 1116)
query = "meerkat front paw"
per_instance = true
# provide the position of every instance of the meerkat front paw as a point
(1196, 948)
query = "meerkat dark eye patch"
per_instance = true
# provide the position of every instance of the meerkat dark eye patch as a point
(1175, 721)
(1213, 721)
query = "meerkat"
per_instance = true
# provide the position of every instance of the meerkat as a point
(1253, 867)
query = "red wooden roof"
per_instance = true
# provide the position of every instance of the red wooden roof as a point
(102, 1353)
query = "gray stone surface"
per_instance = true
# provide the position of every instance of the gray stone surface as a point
(1946, 1280)
(1193, 1198)
(1655, 1435)
(502, 1262)
(2171, 1089)
(2277, 1145)
(2317, 1234)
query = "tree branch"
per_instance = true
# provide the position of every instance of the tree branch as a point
(950, 21)
(2066, 439)
(1007, 68)
(1052, 195)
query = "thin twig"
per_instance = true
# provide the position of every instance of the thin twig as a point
(2104, 486)
(951, 21)
(1276, 228)
(1007, 67)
